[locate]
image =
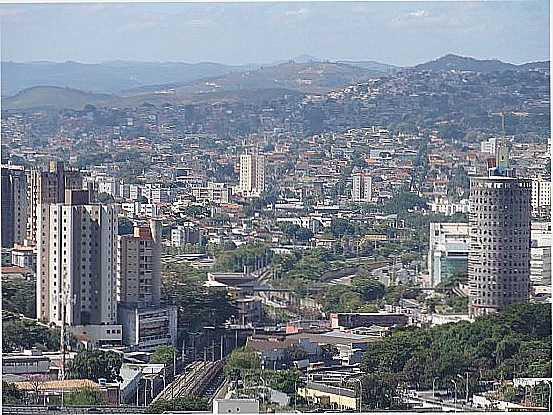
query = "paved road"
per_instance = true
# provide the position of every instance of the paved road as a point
(444, 404)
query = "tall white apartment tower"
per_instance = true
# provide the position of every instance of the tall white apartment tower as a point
(541, 196)
(252, 174)
(76, 264)
(362, 187)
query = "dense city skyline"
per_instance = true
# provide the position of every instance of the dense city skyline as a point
(313, 230)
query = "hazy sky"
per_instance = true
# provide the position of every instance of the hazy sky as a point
(402, 33)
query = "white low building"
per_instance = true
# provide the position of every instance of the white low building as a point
(448, 251)
(235, 406)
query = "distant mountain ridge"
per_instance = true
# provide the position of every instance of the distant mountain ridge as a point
(53, 97)
(73, 85)
(111, 77)
(464, 63)
(286, 78)
(373, 65)
(114, 77)
(309, 77)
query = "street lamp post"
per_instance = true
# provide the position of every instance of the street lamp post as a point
(360, 395)
(434, 387)
(295, 394)
(174, 362)
(466, 386)
(455, 400)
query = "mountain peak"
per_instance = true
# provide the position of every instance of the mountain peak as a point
(465, 63)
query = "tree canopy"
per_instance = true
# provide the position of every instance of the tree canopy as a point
(163, 355)
(242, 359)
(197, 306)
(11, 395)
(83, 397)
(187, 403)
(20, 334)
(96, 364)
(18, 296)
(515, 343)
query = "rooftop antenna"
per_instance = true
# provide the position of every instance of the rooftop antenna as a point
(502, 150)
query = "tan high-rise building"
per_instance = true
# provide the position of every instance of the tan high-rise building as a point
(139, 265)
(252, 175)
(14, 205)
(49, 187)
(361, 187)
(146, 324)
(76, 264)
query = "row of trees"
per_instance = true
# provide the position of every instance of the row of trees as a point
(251, 256)
(18, 334)
(19, 296)
(244, 365)
(188, 403)
(515, 343)
(300, 269)
(197, 306)
(361, 296)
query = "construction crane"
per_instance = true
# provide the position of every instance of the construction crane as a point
(502, 115)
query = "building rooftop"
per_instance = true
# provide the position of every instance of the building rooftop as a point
(69, 384)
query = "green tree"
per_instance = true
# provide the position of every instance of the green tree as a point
(164, 355)
(24, 334)
(188, 403)
(242, 359)
(370, 289)
(83, 397)
(296, 232)
(283, 380)
(197, 306)
(379, 391)
(18, 296)
(404, 201)
(96, 364)
(11, 395)
(494, 346)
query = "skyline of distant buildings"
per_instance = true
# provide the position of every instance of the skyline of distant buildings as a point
(109, 279)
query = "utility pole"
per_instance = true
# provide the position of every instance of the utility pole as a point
(467, 389)
(183, 350)
(174, 363)
(64, 300)
(62, 338)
